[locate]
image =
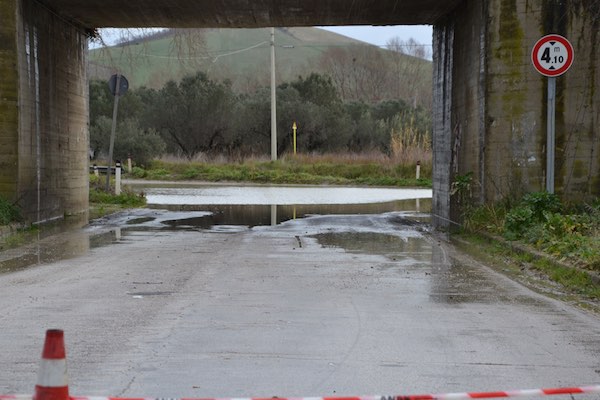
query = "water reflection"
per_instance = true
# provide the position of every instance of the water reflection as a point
(48, 243)
(104, 238)
(264, 215)
(67, 240)
(426, 262)
(416, 250)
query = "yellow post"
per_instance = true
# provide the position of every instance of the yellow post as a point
(294, 128)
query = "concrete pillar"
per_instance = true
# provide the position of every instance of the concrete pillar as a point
(490, 104)
(443, 39)
(468, 107)
(9, 115)
(459, 110)
(43, 111)
(516, 100)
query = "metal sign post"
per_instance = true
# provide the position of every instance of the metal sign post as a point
(551, 56)
(550, 135)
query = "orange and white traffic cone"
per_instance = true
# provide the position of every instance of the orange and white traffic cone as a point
(52, 383)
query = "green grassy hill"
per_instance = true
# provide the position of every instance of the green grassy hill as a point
(239, 55)
(236, 54)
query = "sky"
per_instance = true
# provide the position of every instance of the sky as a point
(379, 35)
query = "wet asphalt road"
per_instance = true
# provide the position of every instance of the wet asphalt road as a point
(323, 306)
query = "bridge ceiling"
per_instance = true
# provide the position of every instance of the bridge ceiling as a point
(249, 13)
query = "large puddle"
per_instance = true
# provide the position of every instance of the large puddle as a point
(228, 209)
(279, 195)
(391, 229)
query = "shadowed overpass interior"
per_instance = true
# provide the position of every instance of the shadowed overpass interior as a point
(249, 14)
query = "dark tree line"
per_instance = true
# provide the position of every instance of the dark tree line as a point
(200, 116)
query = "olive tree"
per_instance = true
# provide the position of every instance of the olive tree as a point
(194, 115)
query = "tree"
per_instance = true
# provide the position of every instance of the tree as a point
(314, 104)
(101, 100)
(402, 126)
(130, 140)
(194, 115)
(363, 131)
(253, 123)
(359, 72)
(132, 107)
(409, 47)
(409, 72)
(317, 89)
(198, 115)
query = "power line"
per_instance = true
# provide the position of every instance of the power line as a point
(239, 51)
(229, 52)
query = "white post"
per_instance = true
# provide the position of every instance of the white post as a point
(117, 178)
(129, 164)
(418, 170)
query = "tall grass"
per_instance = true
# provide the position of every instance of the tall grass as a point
(333, 168)
(407, 159)
(408, 143)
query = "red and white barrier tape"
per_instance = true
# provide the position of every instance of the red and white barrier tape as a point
(440, 396)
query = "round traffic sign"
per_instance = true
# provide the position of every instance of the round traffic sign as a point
(552, 55)
(123, 85)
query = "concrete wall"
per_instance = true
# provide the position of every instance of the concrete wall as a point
(443, 50)
(48, 140)
(459, 106)
(9, 111)
(516, 100)
(490, 103)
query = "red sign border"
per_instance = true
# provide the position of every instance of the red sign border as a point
(544, 40)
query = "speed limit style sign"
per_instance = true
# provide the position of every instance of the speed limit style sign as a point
(552, 55)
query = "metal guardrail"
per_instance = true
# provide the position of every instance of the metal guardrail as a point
(102, 169)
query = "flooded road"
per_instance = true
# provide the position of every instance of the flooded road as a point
(215, 207)
(225, 300)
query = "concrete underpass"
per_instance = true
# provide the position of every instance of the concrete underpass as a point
(489, 102)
